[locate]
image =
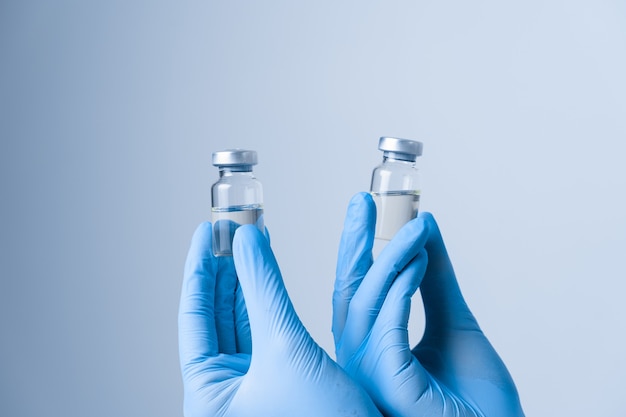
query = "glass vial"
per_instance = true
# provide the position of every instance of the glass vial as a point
(395, 185)
(236, 198)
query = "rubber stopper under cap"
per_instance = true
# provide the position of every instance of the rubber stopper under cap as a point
(400, 146)
(234, 157)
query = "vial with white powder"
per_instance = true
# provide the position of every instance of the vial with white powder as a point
(395, 185)
(236, 198)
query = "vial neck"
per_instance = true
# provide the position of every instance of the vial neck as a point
(235, 170)
(399, 158)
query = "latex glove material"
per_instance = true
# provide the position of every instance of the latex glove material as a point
(254, 357)
(453, 371)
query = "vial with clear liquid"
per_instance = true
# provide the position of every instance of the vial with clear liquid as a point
(395, 185)
(236, 197)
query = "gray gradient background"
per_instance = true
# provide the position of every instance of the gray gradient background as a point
(109, 112)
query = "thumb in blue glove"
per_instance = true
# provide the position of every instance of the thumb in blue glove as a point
(454, 371)
(253, 357)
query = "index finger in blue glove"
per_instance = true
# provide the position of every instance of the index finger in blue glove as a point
(369, 297)
(273, 320)
(444, 304)
(196, 320)
(383, 363)
(355, 256)
(242, 323)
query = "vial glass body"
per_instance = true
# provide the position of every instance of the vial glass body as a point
(395, 188)
(236, 199)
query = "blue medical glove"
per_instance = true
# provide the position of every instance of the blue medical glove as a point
(454, 370)
(254, 357)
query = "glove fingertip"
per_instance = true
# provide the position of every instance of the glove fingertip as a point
(427, 216)
(430, 221)
(246, 237)
(361, 207)
(201, 247)
(361, 197)
(202, 234)
(254, 260)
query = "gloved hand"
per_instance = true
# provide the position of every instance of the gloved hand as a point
(254, 357)
(454, 370)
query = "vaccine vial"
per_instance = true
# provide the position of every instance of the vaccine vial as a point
(236, 197)
(395, 185)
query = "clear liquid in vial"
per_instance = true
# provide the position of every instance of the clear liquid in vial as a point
(393, 210)
(227, 219)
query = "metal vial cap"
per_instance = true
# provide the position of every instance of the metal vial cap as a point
(397, 148)
(234, 157)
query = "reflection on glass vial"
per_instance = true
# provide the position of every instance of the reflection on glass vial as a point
(395, 185)
(237, 197)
